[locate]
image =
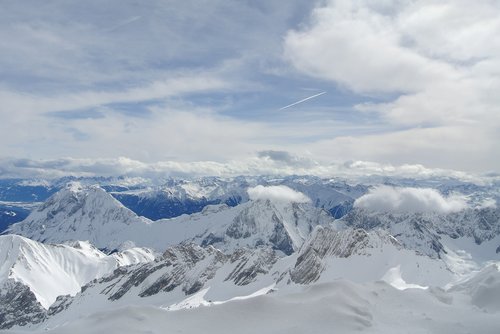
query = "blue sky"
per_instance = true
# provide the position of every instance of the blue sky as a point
(406, 82)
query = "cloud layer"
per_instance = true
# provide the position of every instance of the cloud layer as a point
(277, 193)
(265, 163)
(422, 200)
(431, 63)
(408, 82)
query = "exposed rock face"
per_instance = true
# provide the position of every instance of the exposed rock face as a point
(19, 306)
(240, 249)
(186, 266)
(33, 275)
(249, 264)
(283, 227)
(325, 242)
(61, 304)
(177, 267)
(421, 231)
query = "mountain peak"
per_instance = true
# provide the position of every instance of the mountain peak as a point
(261, 222)
(74, 186)
(77, 213)
(52, 270)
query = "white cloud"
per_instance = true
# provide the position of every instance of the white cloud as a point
(445, 147)
(203, 87)
(176, 85)
(359, 45)
(433, 63)
(277, 193)
(120, 42)
(424, 200)
(257, 165)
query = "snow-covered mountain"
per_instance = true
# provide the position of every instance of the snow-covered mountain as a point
(340, 305)
(177, 197)
(182, 271)
(256, 252)
(430, 233)
(89, 213)
(35, 274)
(190, 275)
(283, 226)
(172, 197)
(79, 213)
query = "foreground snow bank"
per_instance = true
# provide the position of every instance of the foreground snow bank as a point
(341, 306)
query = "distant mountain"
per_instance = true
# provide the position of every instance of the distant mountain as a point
(425, 232)
(179, 197)
(11, 213)
(18, 197)
(89, 213)
(161, 204)
(18, 190)
(174, 197)
(79, 213)
(282, 226)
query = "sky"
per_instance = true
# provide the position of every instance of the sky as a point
(119, 85)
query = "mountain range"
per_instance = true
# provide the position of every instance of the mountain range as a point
(83, 253)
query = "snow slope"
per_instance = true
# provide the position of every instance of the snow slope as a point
(53, 270)
(340, 306)
(79, 213)
(188, 274)
(289, 265)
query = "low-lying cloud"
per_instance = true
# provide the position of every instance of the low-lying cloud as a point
(262, 164)
(422, 200)
(277, 193)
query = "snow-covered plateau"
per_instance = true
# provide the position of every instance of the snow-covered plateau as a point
(265, 255)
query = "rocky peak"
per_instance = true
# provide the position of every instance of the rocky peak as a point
(282, 226)
(328, 242)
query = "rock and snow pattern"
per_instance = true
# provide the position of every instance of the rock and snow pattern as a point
(300, 254)
(42, 272)
(89, 213)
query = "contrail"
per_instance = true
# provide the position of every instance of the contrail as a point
(303, 100)
(124, 23)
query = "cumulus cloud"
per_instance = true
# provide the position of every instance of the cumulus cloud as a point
(277, 193)
(341, 37)
(423, 200)
(435, 63)
(423, 81)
